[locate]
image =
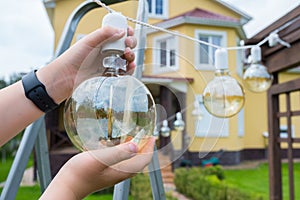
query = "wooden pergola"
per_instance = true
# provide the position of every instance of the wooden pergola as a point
(279, 59)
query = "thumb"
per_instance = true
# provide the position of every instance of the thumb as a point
(113, 155)
(102, 34)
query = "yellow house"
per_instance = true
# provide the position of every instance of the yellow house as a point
(176, 70)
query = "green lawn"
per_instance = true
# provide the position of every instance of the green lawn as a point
(257, 180)
(33, 192)
(5, 167)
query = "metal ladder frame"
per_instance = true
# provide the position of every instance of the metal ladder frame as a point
(35, 134)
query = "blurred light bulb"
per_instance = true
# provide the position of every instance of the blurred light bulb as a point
(179, 123)
(197, 113)
(165, 130)
(110, 109)
(256, 77)
(223, 96)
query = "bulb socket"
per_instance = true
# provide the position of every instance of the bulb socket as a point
(221, 59)
(115, 20)
(256, 54)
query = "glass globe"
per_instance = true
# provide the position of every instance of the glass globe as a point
(179, 123)
(257, 78)
(107, 111)
(223, 96)
(165, 130)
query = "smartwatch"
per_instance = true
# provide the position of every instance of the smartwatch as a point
(37, 93)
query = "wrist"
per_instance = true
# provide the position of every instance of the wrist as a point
(57, 80)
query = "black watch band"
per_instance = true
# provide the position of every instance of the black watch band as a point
(36, 92)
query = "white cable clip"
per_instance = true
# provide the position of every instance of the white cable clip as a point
(274, 39)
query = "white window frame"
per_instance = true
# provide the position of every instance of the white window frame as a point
(240, 57)
(210, 126)
(241, 123)
(209, 66)
(164, 15)
(157, 68)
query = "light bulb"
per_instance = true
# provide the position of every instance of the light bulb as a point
(110, 109)
(165, 130)
(179, 123)
(256, 77)
(197, 113)
(223, 96)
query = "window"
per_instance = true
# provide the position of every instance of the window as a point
(157, 8)
(210, 126)
(205, 55)
(165, 58)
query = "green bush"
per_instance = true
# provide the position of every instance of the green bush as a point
(140, 187)
(216, 170)
(208, 184)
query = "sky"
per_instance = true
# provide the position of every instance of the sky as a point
(26, 36)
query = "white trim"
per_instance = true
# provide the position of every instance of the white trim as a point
(210, 126)
(165, 10)
(210, 66)
(241, 123)
(157, 69)
(245, 17)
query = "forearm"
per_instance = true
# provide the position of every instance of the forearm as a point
(17, 111)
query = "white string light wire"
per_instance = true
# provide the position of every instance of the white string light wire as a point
(99, 2)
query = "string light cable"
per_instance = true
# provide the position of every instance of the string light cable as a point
(272, 38)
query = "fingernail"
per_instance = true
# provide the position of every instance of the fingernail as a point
(121, 31)
(133, 148)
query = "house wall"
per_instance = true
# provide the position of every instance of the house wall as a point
(187, 5)
(255, 108)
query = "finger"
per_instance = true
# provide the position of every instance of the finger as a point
(103, 34)
(130, 31)
(128, 55)
(113, 155)
(137, 163)
(131, 42)
(130, 68)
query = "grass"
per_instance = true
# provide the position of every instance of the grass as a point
(33, 192)
(257, 180)
(5, 167)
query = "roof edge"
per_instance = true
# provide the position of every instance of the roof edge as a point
(246, 17)
(194, 20)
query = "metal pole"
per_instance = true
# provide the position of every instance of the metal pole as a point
(121, 190)
(42, 158)
(158, 191)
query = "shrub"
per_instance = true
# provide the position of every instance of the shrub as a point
(216, 170)
(140, 187)
(208, 184)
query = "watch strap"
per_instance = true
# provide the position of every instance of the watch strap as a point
(37, 93)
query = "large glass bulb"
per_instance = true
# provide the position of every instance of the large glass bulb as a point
(110, 109)
(256, 77)
(223, 96)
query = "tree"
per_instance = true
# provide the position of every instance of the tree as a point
(3, 83)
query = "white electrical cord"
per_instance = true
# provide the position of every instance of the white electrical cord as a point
(273, 37)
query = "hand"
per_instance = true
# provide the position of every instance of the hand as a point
(82, 61)
(86, 57)
(91, 171)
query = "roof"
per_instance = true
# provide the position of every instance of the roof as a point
(245, 17)
(205, 14)
(202, 17)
